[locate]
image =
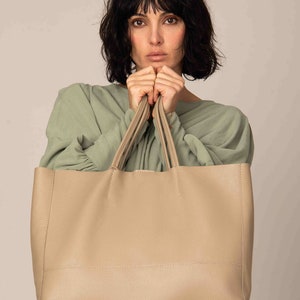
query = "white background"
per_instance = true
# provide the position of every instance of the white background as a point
(47, 45)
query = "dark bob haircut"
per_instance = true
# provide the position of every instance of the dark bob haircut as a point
(200, 55)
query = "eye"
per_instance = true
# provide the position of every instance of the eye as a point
(137, 22)
(171, 20)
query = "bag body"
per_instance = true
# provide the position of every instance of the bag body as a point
(186, 233)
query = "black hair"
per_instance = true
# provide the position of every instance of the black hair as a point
(201, 58)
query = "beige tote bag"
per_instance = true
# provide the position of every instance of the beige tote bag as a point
(182, 234)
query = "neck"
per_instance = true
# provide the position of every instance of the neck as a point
(188, 96)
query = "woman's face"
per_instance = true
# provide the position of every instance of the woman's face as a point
(157, 40)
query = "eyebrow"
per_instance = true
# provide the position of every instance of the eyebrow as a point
(145, 15)
(138, 15)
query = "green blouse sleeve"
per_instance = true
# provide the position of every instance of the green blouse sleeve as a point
(75, 141)
(223, 137)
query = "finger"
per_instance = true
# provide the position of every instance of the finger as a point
(168, 70)
(147, 70)
(136, 94)
(169, 74)
(136, 83)
(137, 80)
(156, 94)
(166, 83)
(142, 90)
(150, 96)
(171, 77)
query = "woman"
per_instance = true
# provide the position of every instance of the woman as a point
(148, 45)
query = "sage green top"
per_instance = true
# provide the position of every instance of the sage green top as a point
(88, 122)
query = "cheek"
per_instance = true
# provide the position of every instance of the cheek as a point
(136, 41)
(136, 48)
(178, 39)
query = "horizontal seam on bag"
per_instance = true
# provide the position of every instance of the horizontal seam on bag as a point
(146, 266)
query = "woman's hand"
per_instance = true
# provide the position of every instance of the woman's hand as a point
(169, 85)
(163, 82)
(139, 84)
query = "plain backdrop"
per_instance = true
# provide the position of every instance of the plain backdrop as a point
(47, 45)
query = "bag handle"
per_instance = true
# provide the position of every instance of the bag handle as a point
(135, 126)
(137, 123)
(165, 136)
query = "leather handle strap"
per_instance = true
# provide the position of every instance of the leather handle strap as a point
(133, 130)
(138, 121)
(142, 120)
(165, 136)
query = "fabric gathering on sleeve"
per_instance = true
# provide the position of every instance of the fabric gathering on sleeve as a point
(75, 139)
(211, 134)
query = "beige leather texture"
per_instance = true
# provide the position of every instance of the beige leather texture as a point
(182, 234)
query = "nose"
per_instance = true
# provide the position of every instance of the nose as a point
(156, 37)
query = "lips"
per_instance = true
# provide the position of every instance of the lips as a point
(156, 56)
